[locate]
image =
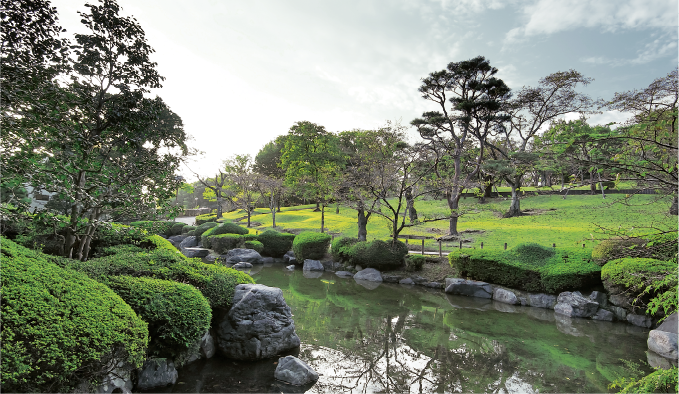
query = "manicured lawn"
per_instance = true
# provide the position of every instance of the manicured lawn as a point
(565, 222)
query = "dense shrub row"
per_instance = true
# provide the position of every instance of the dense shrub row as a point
(187, 229)
(275, 244)
(198, 232)
(208, 217)
(224, 242)
(155, 227)
(224, 228)
(374, 254)
(60, 327)
(310, 245)
(254, 245)
(529, 267)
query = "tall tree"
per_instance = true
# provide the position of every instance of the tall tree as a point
(470, 99)
(312, 161)
(242, 183)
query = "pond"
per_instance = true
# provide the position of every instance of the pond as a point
(399, 338)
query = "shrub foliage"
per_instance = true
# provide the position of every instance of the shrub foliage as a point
(378, 254)
(254, 245)
(275, 244)
(310, 245)
(224, 242)
(207, 218)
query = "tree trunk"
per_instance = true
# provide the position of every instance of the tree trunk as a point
(592, 184)
(248, 217)
(362, 225)
(410, 206)
(488, 186)
(515, 207)
(220, 212)
(674, 208)
(273, 217)
(453, 204)
(322, 218)
(317, 207)
(337, 209)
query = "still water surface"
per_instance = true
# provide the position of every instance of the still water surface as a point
(405, 339)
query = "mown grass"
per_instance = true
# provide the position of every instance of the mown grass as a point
(552, 220)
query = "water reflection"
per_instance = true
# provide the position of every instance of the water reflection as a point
(411, 339)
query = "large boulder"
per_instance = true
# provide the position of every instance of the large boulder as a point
(541, 300)
(234, 256)
(470, 288)
(258, 325)
(505, 296)
(312, 265)
(663, 343)
(600, 298)
(391, 278)
(195, 252)
(294, 371)
(603, 314)
(344, 274)
(331, 265)
(289, 257)
(575, 305)
(640, 320)
(177, 239)
(188, 242)
(369, 274)
(157, 372)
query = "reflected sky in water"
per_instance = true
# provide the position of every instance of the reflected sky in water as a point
(405, 339)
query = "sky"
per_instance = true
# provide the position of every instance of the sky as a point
(240, 73)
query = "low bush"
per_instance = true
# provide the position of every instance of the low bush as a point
(611, 249)
(60, 327)
(378, 254)
(177, 228)
(340, 248)
(224, 242)
(310, 245)
(254, 245)
(251, 237)
(186, 229)
(631, 275)
(198, 232)
(275, 244)
(158, 242)
(111, 250)
(224, 228)
(207, 218)
(529, 267)
(415, 262)
(177, 314)
(191, 233)
(216, 282)
(112, 234)
(205, 238)
(155, 227)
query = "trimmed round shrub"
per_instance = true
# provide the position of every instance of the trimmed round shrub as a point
(60, 327)
(191, 233)
(254, 245)
(310, 245)
(177, 314)
(224, 242)
(378, 254)
(177, 228)
(158, 242)
(611, 249)
(198, 232)
(207, 218)
(275, 244)
(205, 238)
(186, 229)
(230, 228)
(155, 227)
(216, 282)
(251, 237)
(415, 262)
(341, 246)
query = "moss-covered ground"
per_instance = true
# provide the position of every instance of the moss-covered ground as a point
(549, 219)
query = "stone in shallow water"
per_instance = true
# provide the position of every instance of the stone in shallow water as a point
(294, 371)
(575, 305)
(242, 265)
(470, 288)
(369, 274)
(157, 372)
(243, 255)
(391, 278)
(505, 296)
(344, 274)
(640, 320)
(291, 267)
(541, 300)
(663, 343)
(258, 325)
(603, 314)
(406, 281)
(368, 284)
(312, 265)
(312, 274)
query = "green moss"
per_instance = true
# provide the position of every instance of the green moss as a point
(178, 314)
(59, 326)
(216, 282)
(224, 242)
(529, 267)
(310, 245)
(275, 244)
(254, 245)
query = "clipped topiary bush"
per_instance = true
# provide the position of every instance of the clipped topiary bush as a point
(158, 242)
(251, 237)
(224, 228)
(207, 218)
(205, 238)
(198, 232)
(378, 254)
(310, 245)
(155, 227)
(177, 314)
(275, 244)
(224, 242)
(177, 228)
(60, 327)
(529, 267)
(254, 245)
(191, 233)
(216, 282)
(186, 229)
(611, 249)
(415, 262)
(340, 248)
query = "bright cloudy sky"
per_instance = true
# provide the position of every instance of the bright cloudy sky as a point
(240, 73)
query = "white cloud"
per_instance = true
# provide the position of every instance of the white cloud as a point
(663, 45)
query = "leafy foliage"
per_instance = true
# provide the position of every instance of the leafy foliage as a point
(208, 217)
(155, 227)
(341, 246)
(659, 381)
(378, 254)
(254, 245)
(275, 244)
(640, 279)
(611, 249)
(415, 262)
(310, 245)
(59, 326)
(224, 242)
(198, 232)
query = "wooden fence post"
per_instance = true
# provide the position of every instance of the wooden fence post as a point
(583, 246)
(505, 245)
(481, 245)
(422, 246)
(554, 245)
(460, 244)
(440, 252)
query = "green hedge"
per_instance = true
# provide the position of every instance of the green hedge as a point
(111, 250)
(112, 234)
(198, 232)
(177, 228)
(177, 314)
(207, 218)
(631, 275)
(155, 227)
(59, 326)
(254, 245)
(275, 244)
(251, 237)
(216, 282)
(415, 262)
(158, 242)
(341, 246)
(186, 229)
(224, 242)
(224, 228)
(310, 245)
(205, 238)
(378, 254)
(529, 267)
